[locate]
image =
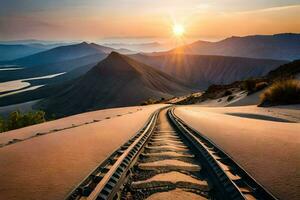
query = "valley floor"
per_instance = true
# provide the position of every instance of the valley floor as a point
(256, 138)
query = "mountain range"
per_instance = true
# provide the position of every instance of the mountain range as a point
(204, 70)
(62, 53)
(57, 60)
(103, 78)
(140, 47)
(280, 46)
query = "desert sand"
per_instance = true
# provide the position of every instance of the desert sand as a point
(252, 99)
(268, 150)
(50, 166)
(68, 122)
(284, 113)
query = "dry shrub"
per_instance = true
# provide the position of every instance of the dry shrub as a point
(249, 85)
(281, 93)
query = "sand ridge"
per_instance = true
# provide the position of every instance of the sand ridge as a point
(14, 136)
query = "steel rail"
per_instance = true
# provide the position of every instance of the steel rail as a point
(108, 179)
(109, 176)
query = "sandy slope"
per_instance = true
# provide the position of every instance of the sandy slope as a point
(269, 151)
(68, 122)
(49, 166)
(252, 99)
(287, 113)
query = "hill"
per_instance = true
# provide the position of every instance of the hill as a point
(279, 46)
(205, 70)
(116, 81)
(291, 69)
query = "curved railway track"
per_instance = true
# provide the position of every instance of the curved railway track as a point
(168, 159)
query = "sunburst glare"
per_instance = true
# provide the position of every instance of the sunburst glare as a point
(178, 30)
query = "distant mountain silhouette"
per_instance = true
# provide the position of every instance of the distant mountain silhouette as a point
(62, 53)
(60, 59)
(280, 46)
(140, 47)
(11, 52)
(204, 70)
(116, 81)
(53, 68)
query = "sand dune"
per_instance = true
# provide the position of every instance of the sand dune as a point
(268, 150)
(68, 122)
(252, 99)
(50, 166)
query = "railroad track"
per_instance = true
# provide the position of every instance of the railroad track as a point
(168, 159)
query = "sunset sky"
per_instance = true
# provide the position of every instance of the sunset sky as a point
(95, 20)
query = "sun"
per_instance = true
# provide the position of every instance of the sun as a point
(178, 30)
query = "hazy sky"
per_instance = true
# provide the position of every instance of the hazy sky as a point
(98, 19)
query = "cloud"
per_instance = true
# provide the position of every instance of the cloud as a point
(271, 9)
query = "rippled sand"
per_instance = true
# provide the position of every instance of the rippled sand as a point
(170, 164)
(173, 177)
(177, 194)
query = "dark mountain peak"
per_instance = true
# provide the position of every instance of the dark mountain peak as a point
(84, 43)
(117, 58)
(115, 63)
(114, 55)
